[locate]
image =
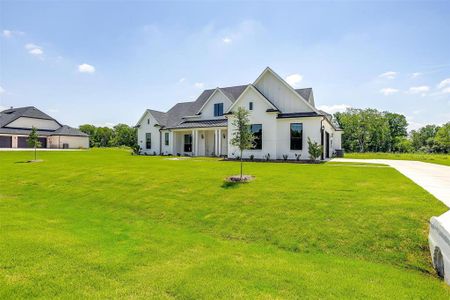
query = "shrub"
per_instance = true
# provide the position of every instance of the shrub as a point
(314, 149)
(285, 157)
(297, 156)
(252, 157)
(267, 156)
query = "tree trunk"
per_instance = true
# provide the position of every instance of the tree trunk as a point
(241, 165)
(34, 152)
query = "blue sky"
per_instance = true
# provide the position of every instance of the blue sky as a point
(106, 62)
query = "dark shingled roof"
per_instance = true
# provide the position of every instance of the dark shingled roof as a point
(305, 93)
(67, 130)
(161, 117)
(173, 117)
(203, 123)
(9, 115)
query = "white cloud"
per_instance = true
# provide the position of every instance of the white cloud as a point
(388, 91)
(199, 85)
(86, 68)
(7, 33)
(34, 50)
(227, 40)
(294, 79)
(182, 80)
(444, 83)
(388, 75)
(416, 74)
(10, 33)
(334, 108)
(2, 90)
(423, 89)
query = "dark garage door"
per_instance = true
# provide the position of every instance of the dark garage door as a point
(22, 142)
(5, 141)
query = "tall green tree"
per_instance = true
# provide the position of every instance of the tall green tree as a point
(242, 137)
(398, 129)
(423, 138)
(33, 141)
(90, 130)
(442, 138)
(124, 135)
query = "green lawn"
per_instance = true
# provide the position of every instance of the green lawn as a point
(105, 224)
(442, 159)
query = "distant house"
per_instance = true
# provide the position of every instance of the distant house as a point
(16, 124)
(282, 119)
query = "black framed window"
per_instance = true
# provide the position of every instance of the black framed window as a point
(218, 109)
(296, 136)
(148, 140)
(250, 106)
(256, 129)
(166, 139)
(188, 143)
(148, 121)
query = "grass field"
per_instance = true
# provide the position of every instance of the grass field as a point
(442, 159)
(105, 224)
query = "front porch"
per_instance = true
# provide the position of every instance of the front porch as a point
(201, 142)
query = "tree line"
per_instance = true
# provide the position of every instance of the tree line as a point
(369, 130)
(119, 135)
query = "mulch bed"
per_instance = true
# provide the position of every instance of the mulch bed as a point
(237, 178)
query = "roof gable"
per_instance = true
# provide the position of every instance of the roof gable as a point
(261, 96)
(277, 90)
(9, 115)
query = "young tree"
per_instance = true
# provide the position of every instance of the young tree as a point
(314, 149)
(33, 140)
(242, 138)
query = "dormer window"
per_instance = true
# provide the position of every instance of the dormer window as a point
(250, 106)
(218, 109)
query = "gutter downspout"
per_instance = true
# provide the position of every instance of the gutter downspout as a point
(321, 136)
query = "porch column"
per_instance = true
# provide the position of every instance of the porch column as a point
(193, 142)
(215, 143)
(172, 142)
(220, 142)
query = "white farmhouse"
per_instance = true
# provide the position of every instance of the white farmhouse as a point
(282, 119)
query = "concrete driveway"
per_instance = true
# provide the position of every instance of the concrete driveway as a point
(432, 177)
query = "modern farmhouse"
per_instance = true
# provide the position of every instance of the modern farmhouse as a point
(282, 119)
(16, 125)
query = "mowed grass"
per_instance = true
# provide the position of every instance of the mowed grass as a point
(441, 159)
(105, 224)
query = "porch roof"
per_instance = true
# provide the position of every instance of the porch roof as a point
(202, 124)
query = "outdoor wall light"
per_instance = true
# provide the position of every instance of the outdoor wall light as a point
(203, 136)
(224, 135)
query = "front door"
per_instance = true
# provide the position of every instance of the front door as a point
(327, 145)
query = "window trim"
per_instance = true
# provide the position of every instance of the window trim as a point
(218, 109)
(296, 139)
(260, 139)
(148, 140)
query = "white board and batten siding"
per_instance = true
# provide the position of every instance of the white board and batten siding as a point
(207, 112)
(147, 125)
(257, 116)
(280, 95)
